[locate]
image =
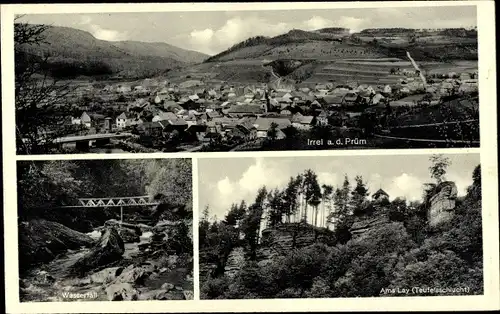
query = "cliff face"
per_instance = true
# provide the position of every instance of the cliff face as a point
(282, 239)
(442, 203)
(235, 261)
(365, 224)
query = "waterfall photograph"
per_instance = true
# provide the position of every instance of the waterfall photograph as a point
(105, 230)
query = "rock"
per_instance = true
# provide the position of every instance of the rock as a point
(362, 225)
(129, 233)
(167, 286)
(281, 239)
(110, 248)
(23, 284)
(170, 295)
(134, 275)
(442, 203)
(106, 275)
(121, 292)
(43, 277)
(163, 269)
(235, 261)
(188, 295)
(41, 240)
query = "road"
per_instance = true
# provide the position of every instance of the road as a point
(90, 137)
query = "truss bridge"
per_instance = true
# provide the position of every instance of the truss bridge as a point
(117, 201)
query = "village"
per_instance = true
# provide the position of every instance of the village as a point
(205, 115)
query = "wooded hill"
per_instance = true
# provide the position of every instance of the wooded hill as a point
(448, 44)
(71, 52)
(260, 251)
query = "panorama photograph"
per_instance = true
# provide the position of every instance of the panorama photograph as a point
(257, 80)
(105, 230)
(340, 227)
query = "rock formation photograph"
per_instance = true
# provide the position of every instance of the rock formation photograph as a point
(343, 226)
(105, 230)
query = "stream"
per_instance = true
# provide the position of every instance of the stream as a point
(48, 283)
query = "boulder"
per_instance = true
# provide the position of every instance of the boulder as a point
(442, 203)
(129, 233)
(188, 295)
(167, 286)
(121, 292)
(170, 295)
(110, 248)
(133, 275)
(106, 275)
(42, 240)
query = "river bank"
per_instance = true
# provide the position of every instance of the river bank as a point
(144, 271)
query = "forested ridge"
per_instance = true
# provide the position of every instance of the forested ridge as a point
(313, 240)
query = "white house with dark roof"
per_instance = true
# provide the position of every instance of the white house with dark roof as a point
(86, 120)
(122, 120)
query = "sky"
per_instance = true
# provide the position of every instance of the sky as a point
(223, 181)
(213, 32)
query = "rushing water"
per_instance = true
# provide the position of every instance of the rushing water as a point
(49, 283)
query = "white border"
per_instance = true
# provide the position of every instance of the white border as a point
(488, 151)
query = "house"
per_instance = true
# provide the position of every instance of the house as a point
(171, 105)
(175, 124)
(335, 101)
(377, 99)
(86, 120)
(209, 116)
(387, 89)
(245, 110)
(150, 128)
(190, 120)
(242, 132)
(380, 195)
(322, 118)
(164, 116)
(263, 125)
(350, 99)
(76, 121)
(122, 120)
(197, 130)
(301, 122)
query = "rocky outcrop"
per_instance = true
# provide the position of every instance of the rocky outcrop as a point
(129, 233)
(283, 238)
(363, 225)
(110, 248)
(41, 240)
(442, 203)
(235, 261)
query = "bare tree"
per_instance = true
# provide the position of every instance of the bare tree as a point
(40, 113)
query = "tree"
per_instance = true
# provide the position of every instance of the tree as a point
(276, 207)
(236, 214)
(272, 133)
(438, 167)
(40, 113)
(290, 197)
(358, 194)
(312, 193)
(250, 225)
(327, 198)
